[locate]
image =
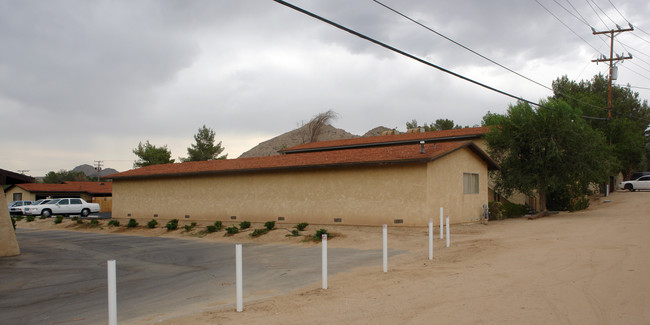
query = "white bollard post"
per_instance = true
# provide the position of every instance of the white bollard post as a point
(238, 278)
(385, 240)
(441, 224)
(112, 293)
(447, 230)
(324, 240)
(430, 239)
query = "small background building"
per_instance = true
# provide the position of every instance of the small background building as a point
(97, 192)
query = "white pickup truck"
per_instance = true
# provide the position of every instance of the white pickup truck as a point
(66, 206)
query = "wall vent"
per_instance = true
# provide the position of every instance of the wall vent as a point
(338, 220)
(280, 218)
(128, 215)
(398, 221)
(187, 216)
(233, 217)
(155, 216)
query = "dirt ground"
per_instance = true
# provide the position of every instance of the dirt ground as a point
(587, 267)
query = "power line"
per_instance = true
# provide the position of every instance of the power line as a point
(476, 53)
(567, 26)
(597, 15)
(604, 13)
(386, 46)
(629, 23)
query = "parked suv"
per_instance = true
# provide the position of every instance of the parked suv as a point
(65, 206)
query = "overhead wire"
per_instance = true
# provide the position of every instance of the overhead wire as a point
(475, 52)
(629, 23)
(597, 15)
(413, 57)
(567, 26)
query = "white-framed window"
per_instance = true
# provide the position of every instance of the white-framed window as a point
(470, 183)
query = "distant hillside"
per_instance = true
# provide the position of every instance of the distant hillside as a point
(295, 137)
(90, 171)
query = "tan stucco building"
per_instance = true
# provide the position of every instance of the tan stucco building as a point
(372, 182)
(97, 192)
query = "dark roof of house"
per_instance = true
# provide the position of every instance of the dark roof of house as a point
(9, 177)
(69, 187)
(394, 139)
(334, 158)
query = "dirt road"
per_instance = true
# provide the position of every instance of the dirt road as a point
(589, 267)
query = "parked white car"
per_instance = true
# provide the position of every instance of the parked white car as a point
(66, 206)
(641, 183)
(18, 207)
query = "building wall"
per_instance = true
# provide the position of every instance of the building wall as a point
(27, 196)
(445, 187)
(365, 195)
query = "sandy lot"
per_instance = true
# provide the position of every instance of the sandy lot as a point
(588, 267)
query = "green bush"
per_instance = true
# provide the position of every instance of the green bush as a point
(132, 223)
(301, 226)
(579, 204)
(29, 218)
(42, 217)
(232, 230)
(13, 222)
(319, 234)
(152, 224)
(269, 225)
(78, 220)
(190, 226)
(245, 224)
(512, 210)
(114, 223)
(172, 224)
(210, 228)
(294, 233)
(494, 210)
(18, 218)
(259, 232)
(218, 225)
(94, 222)
(58, 219)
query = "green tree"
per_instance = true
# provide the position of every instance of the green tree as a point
(438, 125)
(149, 154)
(547, 150)
(204, 149)
(64, 175)
(630, 116)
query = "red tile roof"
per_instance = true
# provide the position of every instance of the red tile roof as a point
(70, 187)
(333, 158)
(448, 135)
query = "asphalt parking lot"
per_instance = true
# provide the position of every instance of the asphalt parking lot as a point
(60, 276)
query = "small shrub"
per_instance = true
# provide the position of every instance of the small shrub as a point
(132, 223)
(512, 210)
(18, 218)
(269, 225)
(58, 219)
(172, 224)
(114, 223)
(319, 234)
(245, 224)
(94, 223)
(218, 225)
(75, 218)
(42, 217)
(579, 204)
(29, 218)
(494, 210)
(301, 226)
(294, 233)
(232, 230)
(80, 221)
(190, 226)
(210, 228)
(13, 222)
(152, 224)
(259, 232)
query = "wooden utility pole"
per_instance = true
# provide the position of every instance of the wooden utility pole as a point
(612, 33)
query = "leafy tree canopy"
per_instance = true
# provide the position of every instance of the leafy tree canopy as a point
(438, 125)
(545, 150)
(630, 116)
(149, 154)
(64, 175)
(204, 149)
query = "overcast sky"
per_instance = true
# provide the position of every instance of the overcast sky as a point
(88, 80)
